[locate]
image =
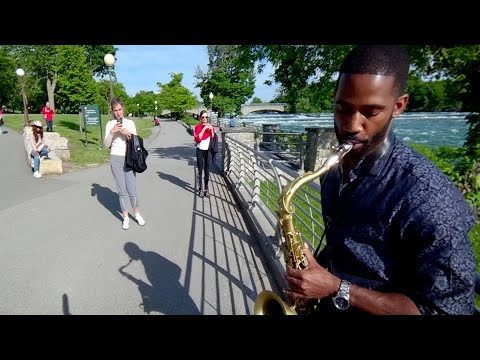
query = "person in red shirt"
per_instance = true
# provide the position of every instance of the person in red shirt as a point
(1, 121)
(203, 134)
(48, 116)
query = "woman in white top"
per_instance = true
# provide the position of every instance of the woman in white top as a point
(39, 148)
(117, 131)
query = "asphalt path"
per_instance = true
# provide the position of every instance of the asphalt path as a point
(63, 250)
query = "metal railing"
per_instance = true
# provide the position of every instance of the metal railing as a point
(259, 180)
(286, 147)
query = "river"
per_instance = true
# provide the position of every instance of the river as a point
(432, 129)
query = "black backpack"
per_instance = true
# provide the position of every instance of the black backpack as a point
(136, 156)
(214, 144)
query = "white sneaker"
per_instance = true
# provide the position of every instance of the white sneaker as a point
(140, 219)
(126, 223)
(37, 174)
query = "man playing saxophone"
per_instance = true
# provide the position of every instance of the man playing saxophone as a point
(396, 227)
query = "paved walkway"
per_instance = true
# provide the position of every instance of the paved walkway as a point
(63, 251)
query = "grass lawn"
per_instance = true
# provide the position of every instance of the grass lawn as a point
(83, 153)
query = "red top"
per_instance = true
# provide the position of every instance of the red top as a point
(48, 113)
(206, 134)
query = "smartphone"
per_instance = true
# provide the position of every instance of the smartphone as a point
(119, 121)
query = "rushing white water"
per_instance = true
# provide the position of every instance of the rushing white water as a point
(430, 129)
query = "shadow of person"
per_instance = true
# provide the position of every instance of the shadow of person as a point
(65, 305)
(177, 181)
(108, 198)
(165, 294)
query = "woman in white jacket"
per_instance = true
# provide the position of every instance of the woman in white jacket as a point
(117, 131)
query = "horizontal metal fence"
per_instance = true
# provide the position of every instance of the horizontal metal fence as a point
(260, 180)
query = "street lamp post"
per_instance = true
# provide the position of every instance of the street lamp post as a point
(109, 61)
(20, 74)
(156, 108)
(138, 111)
(211, 98)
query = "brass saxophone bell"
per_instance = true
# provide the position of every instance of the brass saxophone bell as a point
(269, 303)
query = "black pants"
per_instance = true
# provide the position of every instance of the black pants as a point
(203, 164)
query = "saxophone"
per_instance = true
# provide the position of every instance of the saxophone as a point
(267, 302)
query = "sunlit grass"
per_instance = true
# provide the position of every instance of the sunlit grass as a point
(85, 149)
(304, 200)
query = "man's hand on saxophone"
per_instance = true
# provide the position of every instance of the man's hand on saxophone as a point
(313, 282)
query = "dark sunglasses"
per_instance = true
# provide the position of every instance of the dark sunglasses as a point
(203, 117)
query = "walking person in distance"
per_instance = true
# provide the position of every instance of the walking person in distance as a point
(117, 132)
(48, 116)
(1, 121)
(203, 134)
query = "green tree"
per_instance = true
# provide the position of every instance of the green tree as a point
(40, 63)
(256, 100)
(298, 66)
(75, 83)
(175, 97)
(145, 101)
(102, 94)
(8, 81)
(230, 81)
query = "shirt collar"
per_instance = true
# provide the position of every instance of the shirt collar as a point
(372, 164)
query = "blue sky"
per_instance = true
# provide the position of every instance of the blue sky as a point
(140, 67)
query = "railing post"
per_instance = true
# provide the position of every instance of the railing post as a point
(241, 179)
(224, 154)
(256, 181)
(301, 166)
(319, 143)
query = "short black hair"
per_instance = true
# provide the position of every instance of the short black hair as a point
(386, 60)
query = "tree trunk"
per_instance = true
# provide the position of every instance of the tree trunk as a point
(51, 84)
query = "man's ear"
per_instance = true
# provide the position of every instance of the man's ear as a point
(400, 105)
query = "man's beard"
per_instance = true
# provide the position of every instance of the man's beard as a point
(368, 145)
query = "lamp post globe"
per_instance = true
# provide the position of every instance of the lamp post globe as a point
(109, 61)
(138, 110)
(20, 72)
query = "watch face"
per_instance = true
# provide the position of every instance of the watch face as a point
(341, 303)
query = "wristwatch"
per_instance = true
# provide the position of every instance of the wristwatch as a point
(342, 299)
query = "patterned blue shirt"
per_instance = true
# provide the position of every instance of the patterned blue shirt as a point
(400, 225)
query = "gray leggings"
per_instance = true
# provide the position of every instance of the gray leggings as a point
(125, 182)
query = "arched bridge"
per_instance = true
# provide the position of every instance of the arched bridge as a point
(249, 108)
(245, 109)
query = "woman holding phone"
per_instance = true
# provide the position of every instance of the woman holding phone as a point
(203, 134)
(117, 132)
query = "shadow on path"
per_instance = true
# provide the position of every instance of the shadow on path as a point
(108, 198)
(65, 305)
(176, 181)
(186, 152)
(165, 294)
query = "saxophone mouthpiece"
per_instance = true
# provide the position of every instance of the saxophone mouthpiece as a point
(339, 152)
